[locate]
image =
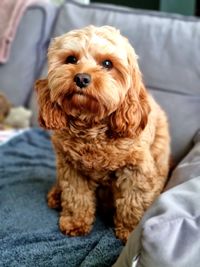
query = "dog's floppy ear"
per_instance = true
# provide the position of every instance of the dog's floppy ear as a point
(51, 116)
(132, 116)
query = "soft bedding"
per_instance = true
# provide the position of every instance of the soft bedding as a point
(29, 233)
(167, 236)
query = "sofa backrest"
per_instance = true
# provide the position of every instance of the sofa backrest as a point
(27, 54)
(168, 48)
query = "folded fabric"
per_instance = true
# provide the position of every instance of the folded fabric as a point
(7, 134)
(10, 15)
(169, 233)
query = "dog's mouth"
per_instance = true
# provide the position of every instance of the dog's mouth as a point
(80, 96)
(71, 95)
(81, 102)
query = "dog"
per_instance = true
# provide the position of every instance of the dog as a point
(107, 130)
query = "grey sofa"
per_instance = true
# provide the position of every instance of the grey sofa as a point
(168, 49)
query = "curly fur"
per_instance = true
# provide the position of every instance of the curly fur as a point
(4, 107)
(111, 134)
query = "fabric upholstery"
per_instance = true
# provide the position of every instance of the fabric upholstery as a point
(27, 53)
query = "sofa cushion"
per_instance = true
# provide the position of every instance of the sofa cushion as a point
(27, 52)
(169, 233)
(167, 57)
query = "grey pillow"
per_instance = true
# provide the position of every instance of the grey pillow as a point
(27, 52)
(169, 233)
(167, 46)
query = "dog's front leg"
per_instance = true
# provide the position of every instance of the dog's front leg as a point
(134, 191)
(77, 202)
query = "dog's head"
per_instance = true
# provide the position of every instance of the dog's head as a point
(92, 75)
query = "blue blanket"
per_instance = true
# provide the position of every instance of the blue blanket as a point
(29, 233)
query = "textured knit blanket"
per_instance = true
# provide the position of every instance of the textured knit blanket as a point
(29, 233)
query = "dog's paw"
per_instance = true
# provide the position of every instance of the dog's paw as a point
(53, 198)
(122, 234)
(74, 226)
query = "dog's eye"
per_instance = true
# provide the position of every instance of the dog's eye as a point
(71, 60)
(107, 64)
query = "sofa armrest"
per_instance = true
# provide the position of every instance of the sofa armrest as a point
(169, 232)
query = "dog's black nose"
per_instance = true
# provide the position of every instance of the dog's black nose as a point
(82, 80)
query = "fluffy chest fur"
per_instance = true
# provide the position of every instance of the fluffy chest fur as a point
(95, 154)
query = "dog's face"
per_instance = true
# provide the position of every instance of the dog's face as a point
(91, 72)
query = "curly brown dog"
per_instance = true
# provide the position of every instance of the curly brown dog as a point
(108, 130)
